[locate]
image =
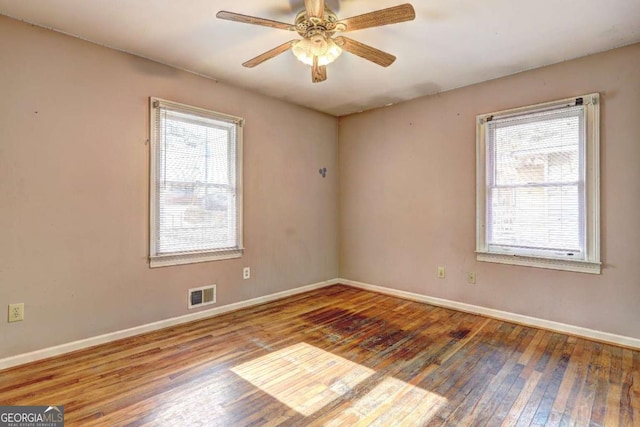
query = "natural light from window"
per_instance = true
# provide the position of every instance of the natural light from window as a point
(537, 185)
(306, 378)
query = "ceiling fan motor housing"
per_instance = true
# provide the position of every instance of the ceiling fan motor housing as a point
(307, 27)
(316, 38)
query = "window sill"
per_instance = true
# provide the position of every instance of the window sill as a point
(550, 263)
(192, 258)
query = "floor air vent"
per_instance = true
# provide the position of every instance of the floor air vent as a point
(202, 296)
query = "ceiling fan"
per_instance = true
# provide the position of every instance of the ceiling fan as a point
(317, 25)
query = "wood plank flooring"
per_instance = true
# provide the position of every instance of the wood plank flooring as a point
(338, 356)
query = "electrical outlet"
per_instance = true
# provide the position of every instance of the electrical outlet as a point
(471, 278)
(16, 312)
(246, 273)
(440, 272)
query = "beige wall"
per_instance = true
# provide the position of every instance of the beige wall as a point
(407, 197)
(74, 191)
(74, 194)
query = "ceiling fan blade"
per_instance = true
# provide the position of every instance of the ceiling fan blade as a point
(315, 8)
(318, 72)
(269, 54)
(236, 17)
(365, 51)
(392, 15)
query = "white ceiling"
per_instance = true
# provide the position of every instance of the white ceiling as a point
(451, 43)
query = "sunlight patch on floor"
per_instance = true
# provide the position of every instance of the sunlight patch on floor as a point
(303, 377)
(391, 402)
(306, 378)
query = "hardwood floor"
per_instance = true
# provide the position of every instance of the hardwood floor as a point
(339, 356)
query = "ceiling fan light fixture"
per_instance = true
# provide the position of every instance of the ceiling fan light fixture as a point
(316, 24)
(318, 45)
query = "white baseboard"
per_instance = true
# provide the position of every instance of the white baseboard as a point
(469, 308)
(503, 315)
(149, 327)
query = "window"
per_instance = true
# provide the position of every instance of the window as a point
(538, 186)
(196, 185)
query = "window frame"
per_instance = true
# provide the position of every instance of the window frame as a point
(591, 262)
(157, 259)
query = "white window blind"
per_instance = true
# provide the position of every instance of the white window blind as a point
(196, 198)
(538, 185)
(535, 183)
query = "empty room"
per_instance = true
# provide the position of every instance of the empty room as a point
(319, 213)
